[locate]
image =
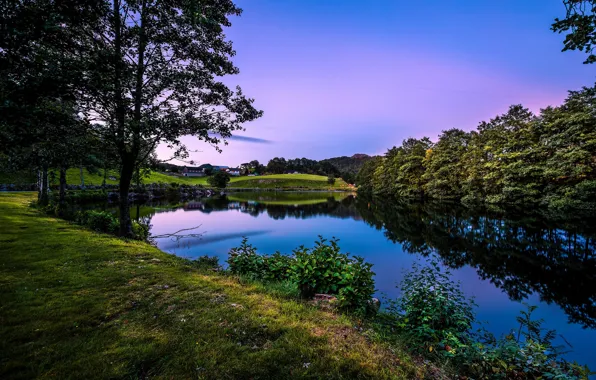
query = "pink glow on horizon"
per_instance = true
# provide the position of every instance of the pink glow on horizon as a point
(328, 92)
(344, 99)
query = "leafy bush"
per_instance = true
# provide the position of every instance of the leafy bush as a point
(245, 260)
(324, 269)
(101, 221)
(436, 319)
(206, 262)
(433, 311)
(277, 267)
(83, 196)
(140, 230)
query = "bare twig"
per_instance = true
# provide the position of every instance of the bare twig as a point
(176, 236)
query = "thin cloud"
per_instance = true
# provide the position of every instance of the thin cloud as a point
(254, 140)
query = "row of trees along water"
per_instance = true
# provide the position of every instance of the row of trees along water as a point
(517, 158)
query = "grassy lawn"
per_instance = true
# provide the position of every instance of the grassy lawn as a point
(275, 181)
(78, 304)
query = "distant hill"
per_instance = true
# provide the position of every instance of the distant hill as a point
(347, 164)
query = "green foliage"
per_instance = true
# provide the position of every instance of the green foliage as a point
(517, 158)
(206, 262)
(322, 269)
(331, 179)
(348, 165)
(325, 269)
(220, 179)
(433, 311)
(277, 267)
(244, 260)
(436, 320)
(100, 221)
(580, 22)
(83, 196)
(140, 231)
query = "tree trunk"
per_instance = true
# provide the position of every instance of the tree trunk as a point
(105, 173)
(82, 176)
(62, 195)
(125, 180)
(43, 197)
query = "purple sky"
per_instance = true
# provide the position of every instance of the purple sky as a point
(339, 77)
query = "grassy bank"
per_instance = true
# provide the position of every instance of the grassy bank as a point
(275, 181)
(77, 304)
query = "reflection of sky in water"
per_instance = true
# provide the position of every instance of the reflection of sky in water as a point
(224, 230)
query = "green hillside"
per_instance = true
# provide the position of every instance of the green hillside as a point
(274, 181)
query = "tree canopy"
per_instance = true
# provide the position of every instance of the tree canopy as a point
(580, 25)
(133, 73)
(547, 159)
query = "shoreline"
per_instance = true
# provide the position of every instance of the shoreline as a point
(76, 302)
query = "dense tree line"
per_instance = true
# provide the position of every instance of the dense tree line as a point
(279, 165)
(338, 167)
(516, 158)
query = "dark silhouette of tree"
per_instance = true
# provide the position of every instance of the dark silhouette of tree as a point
(153, 77)
(580, 25)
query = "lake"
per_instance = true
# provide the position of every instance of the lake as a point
(501, 259)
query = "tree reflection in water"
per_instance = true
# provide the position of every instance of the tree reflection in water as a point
(519, 253)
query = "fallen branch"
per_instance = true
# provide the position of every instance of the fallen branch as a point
(176, 236)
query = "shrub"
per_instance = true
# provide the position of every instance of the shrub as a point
(206, 262)
(433, 311)
(277, 267)
(245, 260)
(220, 179)
(140, 230)
(101, 221)
(436, 319)
(324, 269)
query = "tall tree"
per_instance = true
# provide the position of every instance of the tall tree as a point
(444, 169)
(410, 181)
(40, 76)
(154, 77)
(277, 165)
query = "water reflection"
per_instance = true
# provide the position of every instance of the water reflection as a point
(521, 255)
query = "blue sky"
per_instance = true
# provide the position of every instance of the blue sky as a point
(338, 77)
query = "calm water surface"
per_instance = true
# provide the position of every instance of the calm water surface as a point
(502, 261)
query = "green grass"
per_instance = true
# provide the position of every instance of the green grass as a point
(78, 304)
(275, 181)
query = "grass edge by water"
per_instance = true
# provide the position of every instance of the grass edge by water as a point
(75, 302)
